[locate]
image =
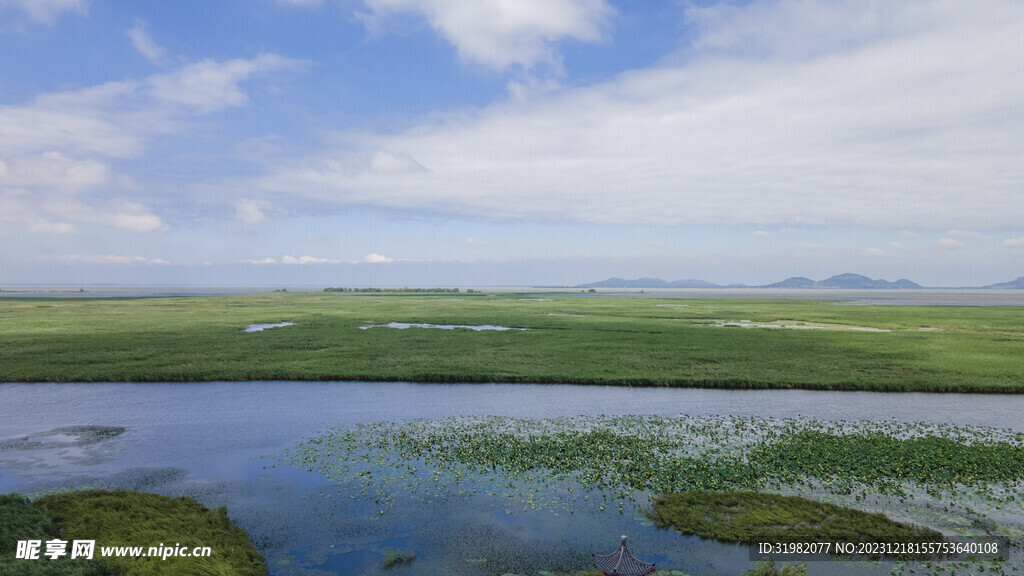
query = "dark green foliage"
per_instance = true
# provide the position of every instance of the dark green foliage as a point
(393, 558)
(20, 520)
(395, 290)
(870, 457)
(752, 517)
(125, 518)
(766, 567)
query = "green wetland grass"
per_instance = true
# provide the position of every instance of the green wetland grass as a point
(124, 518)
(570, 339)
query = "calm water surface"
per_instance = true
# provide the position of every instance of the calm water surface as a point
(208, 441)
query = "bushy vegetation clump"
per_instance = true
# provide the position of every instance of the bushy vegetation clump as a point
(395, 290)
(20, 520)
(125, 519)
(752, 517)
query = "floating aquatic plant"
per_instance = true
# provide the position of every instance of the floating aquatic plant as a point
(604, 461)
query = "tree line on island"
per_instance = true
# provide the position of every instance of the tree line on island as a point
(402, 290)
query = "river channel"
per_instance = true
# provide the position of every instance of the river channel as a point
(217, 442)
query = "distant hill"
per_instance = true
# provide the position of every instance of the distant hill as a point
(844, 281)
(794, 282)
(1017, 284)
(841, 281)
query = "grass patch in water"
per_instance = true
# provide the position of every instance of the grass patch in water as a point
(752, 517)
(393, 558)
(125, 518)
(606, 464)
(881, 458)
(625, 454)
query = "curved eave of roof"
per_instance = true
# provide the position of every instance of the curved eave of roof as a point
(622, 563)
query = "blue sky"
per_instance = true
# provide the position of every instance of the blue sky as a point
(510, 142)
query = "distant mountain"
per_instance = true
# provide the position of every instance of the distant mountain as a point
(1017, 284)
(853, 282)
(841, 281)
(794, 282)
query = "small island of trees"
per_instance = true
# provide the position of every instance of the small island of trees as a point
(403, 290)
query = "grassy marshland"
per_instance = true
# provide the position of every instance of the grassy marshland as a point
(570, 340)
(751, 517)
(125, 518)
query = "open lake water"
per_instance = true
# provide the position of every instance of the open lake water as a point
(211, 441)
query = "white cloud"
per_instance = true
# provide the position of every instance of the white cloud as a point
(59, 213)
(307, 260)
(384, 162)
(967, 235)
(48, 227)
(145, 45)
(1014, 242)
(897, 121)
(57, 148)
(908, 234)
(760, 234)
(301, 3)
(263, 261)
(54, 170)
(208, 86)
(502, 33)
(111, 259)
(377, 259)
(368, 259)
(960, 238)
(251, 211)
(133, 216)
(45, 11)
(126, 215)
(793, 29)
(116, 119)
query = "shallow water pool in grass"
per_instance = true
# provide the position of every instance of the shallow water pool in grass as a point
(780, 324)
(405, 325)
(262, 327)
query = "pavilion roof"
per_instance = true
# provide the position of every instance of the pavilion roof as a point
(622, 563)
